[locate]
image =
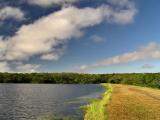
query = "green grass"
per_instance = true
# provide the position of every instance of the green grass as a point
(127, 103)
(97, 109)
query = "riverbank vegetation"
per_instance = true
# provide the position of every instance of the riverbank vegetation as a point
(123, 102)
(127, 102)
(140, 79)
(97, 109)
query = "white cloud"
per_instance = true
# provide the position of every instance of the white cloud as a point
(19, 67)
(4, 67)
(83, 67)
(44, 36)
(96, 39)
(46, 3)
(123, 16)
(11, 12)
(26, 68)
(50, 56)
(150, 51)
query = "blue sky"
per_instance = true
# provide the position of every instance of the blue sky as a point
(90, 36)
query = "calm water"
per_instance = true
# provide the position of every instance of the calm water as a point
(33, 101)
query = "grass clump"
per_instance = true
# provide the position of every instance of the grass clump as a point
(97, 109)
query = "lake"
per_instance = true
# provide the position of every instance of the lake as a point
(34, 101)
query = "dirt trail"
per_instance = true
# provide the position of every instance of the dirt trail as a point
(134, 103)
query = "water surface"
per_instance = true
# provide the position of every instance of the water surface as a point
(33, 101)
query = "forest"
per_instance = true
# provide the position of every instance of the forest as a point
(140, 79)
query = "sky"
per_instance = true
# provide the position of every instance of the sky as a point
(84, 36)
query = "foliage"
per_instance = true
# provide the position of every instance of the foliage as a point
(140, 79)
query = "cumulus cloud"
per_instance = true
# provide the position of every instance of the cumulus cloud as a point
(150, 51)
(11, 12)
(51, 56)
(123, 16)
(19, 67)
(26, 68)
(46, 3)
(4, 67)
(44, 36)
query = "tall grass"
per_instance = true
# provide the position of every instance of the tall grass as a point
(97, 110)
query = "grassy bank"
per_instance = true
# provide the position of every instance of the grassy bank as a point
(97, 109)
(94, 111)
(134, 103)
(123, 102)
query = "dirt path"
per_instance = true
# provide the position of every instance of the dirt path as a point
(134, 103)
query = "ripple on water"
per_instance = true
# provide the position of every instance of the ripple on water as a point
(31, 101)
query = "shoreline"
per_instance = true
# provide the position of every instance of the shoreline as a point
(96, 110)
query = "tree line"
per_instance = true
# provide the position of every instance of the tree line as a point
(140, 79)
